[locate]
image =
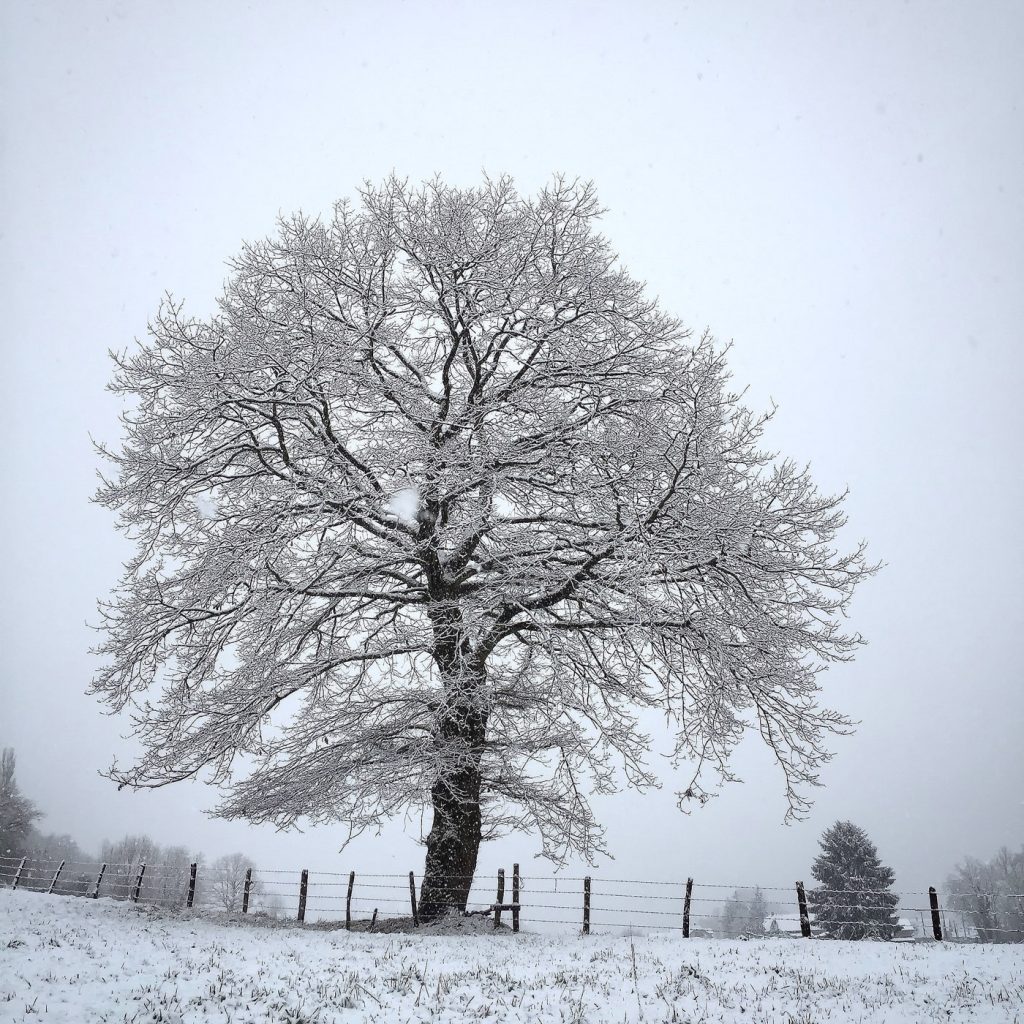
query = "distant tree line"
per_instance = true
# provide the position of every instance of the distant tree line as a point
(164, 884)
(853, 900)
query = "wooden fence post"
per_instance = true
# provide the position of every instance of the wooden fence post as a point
(686, 908)
(933, 899)
(193, 868)
(138, 884)
(99, 878)
(56, 875)
(348, 901)
(805, 918)
(515, 897)
(17, 874)
(501, 898)
(586, 905)
(373, 920)
(412, 898)
(246, 889)
(303, 886)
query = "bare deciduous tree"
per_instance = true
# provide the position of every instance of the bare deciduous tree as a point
(167, 880)
(991, 894)
(430, 507)
(123, 858)
(226, 881)
(17, 812)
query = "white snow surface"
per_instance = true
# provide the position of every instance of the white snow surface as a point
(80, 960)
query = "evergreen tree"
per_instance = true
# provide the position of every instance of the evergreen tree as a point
(854, 900)
(734, 915)
(756, 913)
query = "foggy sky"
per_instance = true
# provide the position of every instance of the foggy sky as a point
(836, 188)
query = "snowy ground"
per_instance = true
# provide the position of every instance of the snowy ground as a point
(79, 960)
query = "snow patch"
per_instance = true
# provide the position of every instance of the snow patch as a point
(404, 504)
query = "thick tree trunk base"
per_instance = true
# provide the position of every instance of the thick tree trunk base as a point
(452, 847)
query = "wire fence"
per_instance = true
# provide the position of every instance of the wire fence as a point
(581, 903)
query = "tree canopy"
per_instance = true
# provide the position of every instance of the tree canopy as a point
(431, 506)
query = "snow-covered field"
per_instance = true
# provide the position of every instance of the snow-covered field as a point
(77, 960)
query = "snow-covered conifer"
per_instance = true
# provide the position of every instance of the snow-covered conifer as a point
(854, 900)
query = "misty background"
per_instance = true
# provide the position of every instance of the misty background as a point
(838, 189)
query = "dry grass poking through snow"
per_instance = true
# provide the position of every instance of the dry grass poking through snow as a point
(75, 960)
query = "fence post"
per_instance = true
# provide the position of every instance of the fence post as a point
(805, 918)
(933, 899)
(60, 868)
(373, 920)
(246, 889)
(412, 899)
(193, 868)
(303, 886)
(17, 874)
(501, 897)
(99, 878)
(686, 908)
(515, 897)
(348, 901)
(586, 905)
(138, 884)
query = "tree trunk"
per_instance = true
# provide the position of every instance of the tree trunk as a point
(454, 839)
(459, 733)
(452, 846)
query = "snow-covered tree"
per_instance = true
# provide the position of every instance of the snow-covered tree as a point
(123, 859)
(743, 913)
(991, 894)
(167, 879)
(430, 507)
(16, 811)
(757, 911)
(52, 848)
(44, 853)
(168, 869)
(733, 917)
(854, 900)
(225, 881)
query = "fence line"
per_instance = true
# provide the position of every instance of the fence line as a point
(582, 901)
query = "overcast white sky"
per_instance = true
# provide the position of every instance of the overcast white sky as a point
(837, 187)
